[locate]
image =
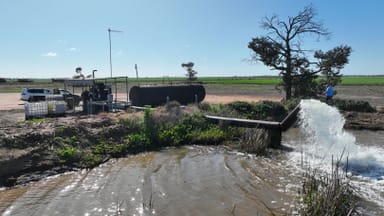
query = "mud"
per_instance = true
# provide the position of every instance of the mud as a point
(37, 161)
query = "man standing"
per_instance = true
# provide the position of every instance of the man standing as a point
(329, 92)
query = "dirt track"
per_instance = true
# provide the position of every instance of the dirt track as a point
(11, 107)
(11, 101)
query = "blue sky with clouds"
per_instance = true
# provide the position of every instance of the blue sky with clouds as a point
(50, 38)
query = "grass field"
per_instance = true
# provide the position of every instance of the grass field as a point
(14, 86)
(263, 80)
(347, 80)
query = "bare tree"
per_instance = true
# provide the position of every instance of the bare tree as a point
(281, 48)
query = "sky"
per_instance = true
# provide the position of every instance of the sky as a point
(50, 38)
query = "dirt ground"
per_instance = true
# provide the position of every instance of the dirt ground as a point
(11, 101)
(11, 107)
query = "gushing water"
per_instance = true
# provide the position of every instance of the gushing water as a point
(325, 141)
(323, 126)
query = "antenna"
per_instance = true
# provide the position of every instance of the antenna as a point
(110, 47)
(137, 75)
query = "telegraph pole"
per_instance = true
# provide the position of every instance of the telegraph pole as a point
(110, 47)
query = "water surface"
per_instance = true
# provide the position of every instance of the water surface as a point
(205, 180)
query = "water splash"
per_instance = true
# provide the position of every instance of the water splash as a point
(325, 136)
(326, 140)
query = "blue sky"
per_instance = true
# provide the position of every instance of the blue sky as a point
(50, 38)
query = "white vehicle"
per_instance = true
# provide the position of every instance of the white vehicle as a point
(34, 94)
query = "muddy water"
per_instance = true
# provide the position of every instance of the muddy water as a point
(184, 181)
(210, 180)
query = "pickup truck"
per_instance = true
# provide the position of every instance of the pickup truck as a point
(39, 94)
(34, 94)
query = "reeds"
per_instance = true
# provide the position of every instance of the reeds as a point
(328, 193)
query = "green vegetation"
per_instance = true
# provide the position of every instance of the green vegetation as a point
(14, 87)
(79, 146)
(241, 80)
(328, 194)
(68, 154)
(259, 80)
(351, 105)
(362, 80)
(264, 110)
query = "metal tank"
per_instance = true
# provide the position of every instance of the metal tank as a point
(158, 95)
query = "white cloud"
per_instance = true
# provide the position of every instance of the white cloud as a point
(73, 49)
(50, 54)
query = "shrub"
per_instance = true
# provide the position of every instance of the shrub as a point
(351, 105)
(110, 148)
(211, 108)
(68, 154)
(150, 127)
(176, 135)
(291, 103)
(91, 160)
(137, 142)
(131, 124)
(196, 120)
(118, 150)
(267, 110)
(243, 108)
(68, 141)
(270, 110)
(211, 136)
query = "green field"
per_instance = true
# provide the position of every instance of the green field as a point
(363, 80)
(13, 86)
(265, 80)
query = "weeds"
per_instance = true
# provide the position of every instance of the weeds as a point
(254, 140)
(264, 110)
(328, 194)
(68, 154)
(351, 105)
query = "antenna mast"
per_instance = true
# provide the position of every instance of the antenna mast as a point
(110, 47)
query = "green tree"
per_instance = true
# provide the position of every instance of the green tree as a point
(331, 62)
(281, 50)
(191, 74)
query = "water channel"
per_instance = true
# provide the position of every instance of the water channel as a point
(204, 180)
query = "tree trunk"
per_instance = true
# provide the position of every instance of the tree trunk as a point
(288, 92)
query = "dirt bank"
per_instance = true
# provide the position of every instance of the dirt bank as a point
(36, 159)
(28, 150)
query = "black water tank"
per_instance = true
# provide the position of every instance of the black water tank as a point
(157, 95)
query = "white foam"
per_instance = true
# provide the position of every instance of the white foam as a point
(326, 141)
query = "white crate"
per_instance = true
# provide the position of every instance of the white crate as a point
(36, 109)
(56, 107)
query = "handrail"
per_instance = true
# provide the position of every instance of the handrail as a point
(283, 125)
